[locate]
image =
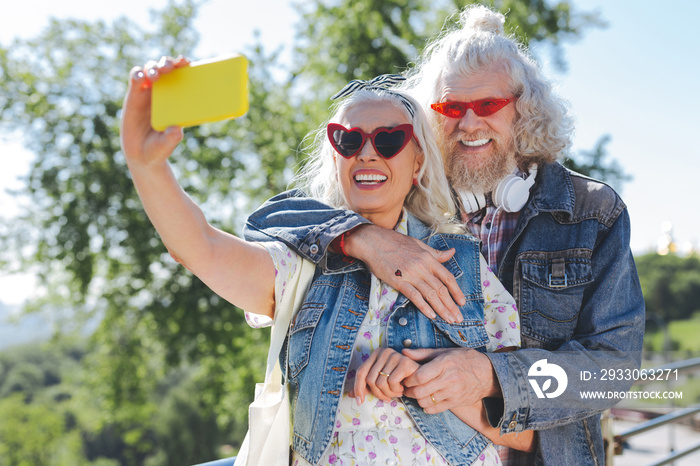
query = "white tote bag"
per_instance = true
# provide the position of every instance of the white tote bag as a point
(269, 421)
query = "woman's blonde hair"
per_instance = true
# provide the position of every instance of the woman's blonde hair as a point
(430, 200)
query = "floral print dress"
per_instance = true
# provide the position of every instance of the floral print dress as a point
(376, 432)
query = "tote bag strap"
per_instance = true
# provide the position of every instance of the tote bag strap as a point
(293, 298)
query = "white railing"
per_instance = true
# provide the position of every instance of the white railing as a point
(615, 442)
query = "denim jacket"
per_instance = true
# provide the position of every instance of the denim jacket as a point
(322, 333)
(571, 271)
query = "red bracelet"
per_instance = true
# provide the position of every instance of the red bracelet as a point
(338, 244)
(341, 244)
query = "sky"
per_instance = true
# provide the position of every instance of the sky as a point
(617, 81)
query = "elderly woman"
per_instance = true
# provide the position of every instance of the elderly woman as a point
(376, 156)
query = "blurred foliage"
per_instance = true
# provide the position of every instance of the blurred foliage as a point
(343, 40)
(168, 368)
(55, 416)
(595, 163)
(679, 337)
(671, 288)
(670, 284)
(97, 255)
(29, 432)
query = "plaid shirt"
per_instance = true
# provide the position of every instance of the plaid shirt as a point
(495, 228)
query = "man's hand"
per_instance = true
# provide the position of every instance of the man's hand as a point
(411, 267)
(450, 378)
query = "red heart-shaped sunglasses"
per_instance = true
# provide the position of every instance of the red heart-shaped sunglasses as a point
(386, 141)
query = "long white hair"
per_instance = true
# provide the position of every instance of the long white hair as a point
(430, 201)
(543, 126)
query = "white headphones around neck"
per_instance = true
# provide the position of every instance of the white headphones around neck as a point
(511, 194)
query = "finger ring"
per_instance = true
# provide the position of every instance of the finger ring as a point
(433, 398)
(383, 373)
(398, 273)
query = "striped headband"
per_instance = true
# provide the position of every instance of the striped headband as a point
(383, 83)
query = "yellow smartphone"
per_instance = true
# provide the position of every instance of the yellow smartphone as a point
(205, 91)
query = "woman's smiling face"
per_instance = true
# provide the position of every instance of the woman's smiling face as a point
(373, 186)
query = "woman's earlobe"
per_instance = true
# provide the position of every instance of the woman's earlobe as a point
(419, 166)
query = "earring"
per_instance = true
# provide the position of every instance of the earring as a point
(415, 181)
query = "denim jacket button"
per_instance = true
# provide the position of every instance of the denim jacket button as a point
(403, 321)
(407, 343)
(512, 425)
(313, 249)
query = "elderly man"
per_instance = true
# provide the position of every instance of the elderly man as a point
(558, 241)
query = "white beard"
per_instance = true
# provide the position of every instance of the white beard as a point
(467, 173)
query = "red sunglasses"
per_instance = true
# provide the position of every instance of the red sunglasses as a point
(482, 108)
(386, 141)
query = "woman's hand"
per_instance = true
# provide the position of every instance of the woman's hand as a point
(142, 145)
(240, 272)
(382, 375)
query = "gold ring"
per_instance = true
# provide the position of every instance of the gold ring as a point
(433, 398)
(383, 373)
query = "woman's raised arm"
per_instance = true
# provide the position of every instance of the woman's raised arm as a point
(238, 271)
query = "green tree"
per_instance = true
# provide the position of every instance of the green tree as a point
(360, 39)
(173, 426)
(595, 163)
(670, 284)
(29, 369)
(22, 378)
(185, 430)
(29, 433)
(39, 424)
(87, 234)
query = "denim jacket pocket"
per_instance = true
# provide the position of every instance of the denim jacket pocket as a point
(551, 294)
(301, 332)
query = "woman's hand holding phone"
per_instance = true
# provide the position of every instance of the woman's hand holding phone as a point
(143, 145)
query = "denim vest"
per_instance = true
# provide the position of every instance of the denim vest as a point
(322, 335)
(571, 271)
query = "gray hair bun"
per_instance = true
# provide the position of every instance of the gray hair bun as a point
(480, 18)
